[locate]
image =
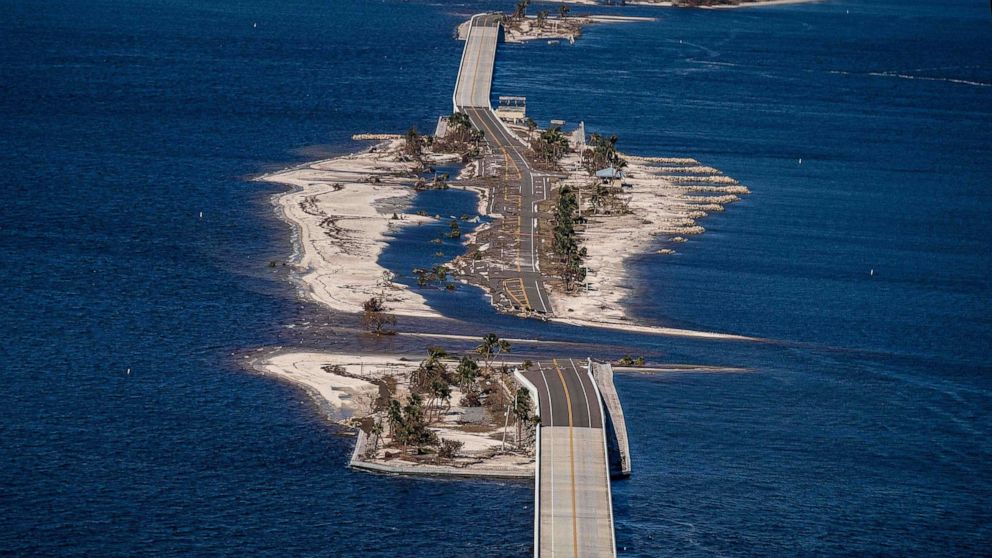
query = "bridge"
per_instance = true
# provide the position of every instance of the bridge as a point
(473, 90)
(573, 511)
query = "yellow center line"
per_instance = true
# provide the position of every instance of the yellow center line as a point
(571, 459)
(475, 81)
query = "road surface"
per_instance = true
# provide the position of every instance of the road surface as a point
(472, 96)
(574, 513)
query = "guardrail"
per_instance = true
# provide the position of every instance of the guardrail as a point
(606, 457)
(537, 463)
(602, 374)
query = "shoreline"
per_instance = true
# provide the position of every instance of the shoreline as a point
(342, 387)
(661, 201)
(340, 210)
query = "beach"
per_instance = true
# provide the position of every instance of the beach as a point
(662, 200)
(346, 387)
(342, 210)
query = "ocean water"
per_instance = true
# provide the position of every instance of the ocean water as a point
(860, 428)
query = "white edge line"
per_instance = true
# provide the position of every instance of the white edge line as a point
(585, 396)
(537, 463)
(551, 419)
(461, 64)
(606, 460)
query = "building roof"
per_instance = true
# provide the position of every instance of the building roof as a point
(609, 172)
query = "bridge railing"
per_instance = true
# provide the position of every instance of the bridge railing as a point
(606, 458)
(537, 463)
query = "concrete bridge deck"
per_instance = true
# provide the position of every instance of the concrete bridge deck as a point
(475, 74)
(573, 514)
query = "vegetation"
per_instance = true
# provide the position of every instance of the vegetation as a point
(608, 199)
(414, 144)
(522, 413)
(566, 244)
(563, 11)
(408, 423)
(467, 372)
(490, 348)
(431, 368)
(375, 437)
(542, 17)
(627, 360)
(436, 276)
(440, 182)
(461, 137)
(456, 231)
(531, 126)
(407, 426)
(376, 319)
(520, 12)
(551, 145)
(602, 153)
(448, 449)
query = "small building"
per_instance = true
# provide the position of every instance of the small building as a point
(512, 109)
(609, 174)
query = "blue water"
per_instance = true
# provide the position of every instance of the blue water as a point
(861, 428)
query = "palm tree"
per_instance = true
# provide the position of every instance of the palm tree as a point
(521, 411)
(460, 120)
(521, 11)
(395, 417)
(466, 371)
(542, 17)
(478, 136)
(490, 348)
(531, 126)
(431, 368)
(414, 145)
(563, 11)
(440, 392)
(376, 434)
(551, 145)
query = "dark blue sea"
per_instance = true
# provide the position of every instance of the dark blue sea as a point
(860, 427)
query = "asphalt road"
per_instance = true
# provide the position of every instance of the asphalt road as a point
(566, 394)
(472, 96)
(533, 188)
(574, 515)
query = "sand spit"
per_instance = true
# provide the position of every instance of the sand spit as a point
(657, 205)
(553, 28)
(338, 208)
(345, 386)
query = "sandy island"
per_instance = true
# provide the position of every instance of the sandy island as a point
(341, 210)
(348, 387)
(662, 201)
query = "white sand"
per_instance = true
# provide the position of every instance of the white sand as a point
(350, 396)
(341, 232)
(661, 207)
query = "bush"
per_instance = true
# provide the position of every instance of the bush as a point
(449, 449)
